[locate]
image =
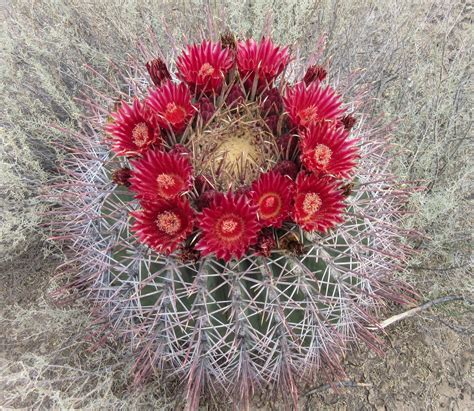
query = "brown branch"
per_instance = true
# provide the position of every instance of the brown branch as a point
(416, 310)
(454, 267)
(341, 384)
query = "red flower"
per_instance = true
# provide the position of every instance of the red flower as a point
(121, 176)
(348, 122)
(265, 243)
(206, 109)
(161, 175)
(204, 66)
(228, 40)
(163, 225)
(272, 123)
(264, 59)
(307, 105)
(288, 145)
(235, 96)
(271, 102)
(287, 168)
(229, 226)
(318, 203)
(315, 73)
(133, 129)
(326, 149)
(158, 71)
(273, 194)
(172, 105)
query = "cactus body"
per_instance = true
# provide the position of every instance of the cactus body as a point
(230, 328)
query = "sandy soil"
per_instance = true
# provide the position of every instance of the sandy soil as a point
(26, 278)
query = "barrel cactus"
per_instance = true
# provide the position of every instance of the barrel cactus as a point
(235, 222)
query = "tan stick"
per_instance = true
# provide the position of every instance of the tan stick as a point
(416, 310)
(341, 384)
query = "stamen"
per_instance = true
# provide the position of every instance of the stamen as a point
(166, 180)
(322, 155)
(229, 225)
(311, 203)
(206, 70)
(168, 222)
(308, 116)
(140, 134)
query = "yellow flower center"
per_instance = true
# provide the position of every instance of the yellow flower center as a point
(165, 180)
(322, 155)
(228, 226)
(168, 222)
(206, 70)
(308, 115)
(140, 134)
(229, 229)
(311, 203)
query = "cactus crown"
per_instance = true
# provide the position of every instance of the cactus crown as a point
(240, 237)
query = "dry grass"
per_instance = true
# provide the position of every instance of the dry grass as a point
(48, 367)
(415, 56)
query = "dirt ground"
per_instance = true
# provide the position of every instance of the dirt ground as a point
(25, 279)
(427, 363)
(427, 366)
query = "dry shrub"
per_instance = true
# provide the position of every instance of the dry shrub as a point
(45, 366)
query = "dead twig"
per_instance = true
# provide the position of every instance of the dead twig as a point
(416, 310)
(454, 267)
(341, 384)
(456, 328)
